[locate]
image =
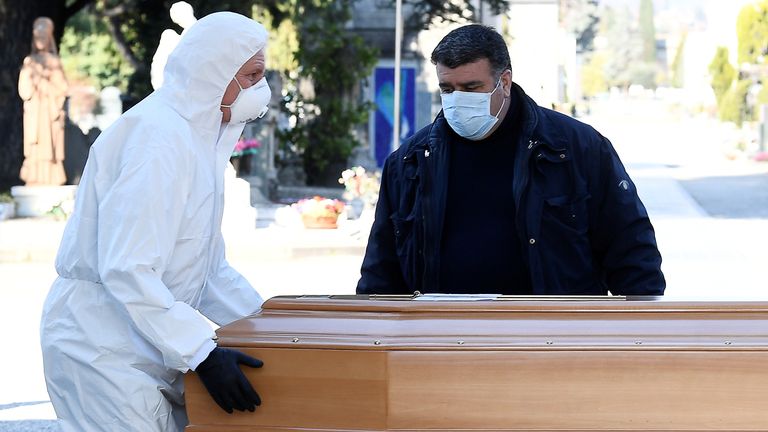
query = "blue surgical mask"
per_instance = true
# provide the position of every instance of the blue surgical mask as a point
(469, 113)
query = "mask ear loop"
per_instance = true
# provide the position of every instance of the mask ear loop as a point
(502, 101)
(241, 89)
(501, 107)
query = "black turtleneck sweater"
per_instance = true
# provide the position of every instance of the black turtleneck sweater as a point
(481, 252)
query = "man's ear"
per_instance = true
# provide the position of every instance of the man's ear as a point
(506, 81)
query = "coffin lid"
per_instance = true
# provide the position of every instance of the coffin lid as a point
(481, 322)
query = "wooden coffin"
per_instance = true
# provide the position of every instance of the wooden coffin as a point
(353, 363)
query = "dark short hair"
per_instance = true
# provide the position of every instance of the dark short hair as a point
(471, 43)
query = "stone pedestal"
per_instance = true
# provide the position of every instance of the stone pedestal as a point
(36, 201)
(7, 210)
(265, 209)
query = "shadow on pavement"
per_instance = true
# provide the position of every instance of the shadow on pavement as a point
(20, 404)
(29, 426)
(731, 197)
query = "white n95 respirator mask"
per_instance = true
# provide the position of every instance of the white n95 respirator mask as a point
(251, 103)
(469, 113)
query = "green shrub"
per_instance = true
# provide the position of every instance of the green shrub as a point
(722, 74)
(733, 106)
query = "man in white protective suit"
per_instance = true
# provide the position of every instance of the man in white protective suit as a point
(143, 253)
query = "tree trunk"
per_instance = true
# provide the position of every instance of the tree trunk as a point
(16, 18)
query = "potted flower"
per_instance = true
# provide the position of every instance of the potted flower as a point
(241, 155)
(362, 189)
(7, 206)
(319, 212)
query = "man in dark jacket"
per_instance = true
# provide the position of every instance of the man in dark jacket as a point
(499, 195)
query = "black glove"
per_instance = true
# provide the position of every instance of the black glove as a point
(228, 386)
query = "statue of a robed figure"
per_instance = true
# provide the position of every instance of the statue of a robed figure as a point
(43, 88)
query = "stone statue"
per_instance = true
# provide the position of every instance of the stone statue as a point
(43, 88)
(183, 15)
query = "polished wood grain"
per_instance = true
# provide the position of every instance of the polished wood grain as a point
(362, 364)
(573, 390)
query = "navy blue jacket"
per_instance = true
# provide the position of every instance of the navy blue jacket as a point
(583, 228)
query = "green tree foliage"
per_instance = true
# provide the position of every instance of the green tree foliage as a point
(335, 60)
(624, 51)
(624, 47)
(424, 13)
(580, 18)
(733, 107)
(593, 81)
(283, 41)
(89, 54)
(643, 73)
(646, 71)
(722, 74)
(752, 33)
(647, 31)
(136, 26)
(762, 95)
(678, 70)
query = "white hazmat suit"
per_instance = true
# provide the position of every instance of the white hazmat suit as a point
(143, 251)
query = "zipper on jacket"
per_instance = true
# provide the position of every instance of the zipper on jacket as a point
(520, 181)
(425, 203)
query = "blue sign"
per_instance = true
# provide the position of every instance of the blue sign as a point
(384, 97)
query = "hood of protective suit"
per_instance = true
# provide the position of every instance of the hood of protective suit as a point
(205, 61)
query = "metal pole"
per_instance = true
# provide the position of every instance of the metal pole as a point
(398, 42)
(480, 6)
(763, 127)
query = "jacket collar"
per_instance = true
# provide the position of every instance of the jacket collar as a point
(538, 126)
(439, 133)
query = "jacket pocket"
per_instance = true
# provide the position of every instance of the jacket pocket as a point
(554, 174)
(566, 212)
(565, 249)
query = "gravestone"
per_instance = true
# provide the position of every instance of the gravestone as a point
(261, 174)
(76, 151)
(79, 130)
(111, 107)
(260, 170)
